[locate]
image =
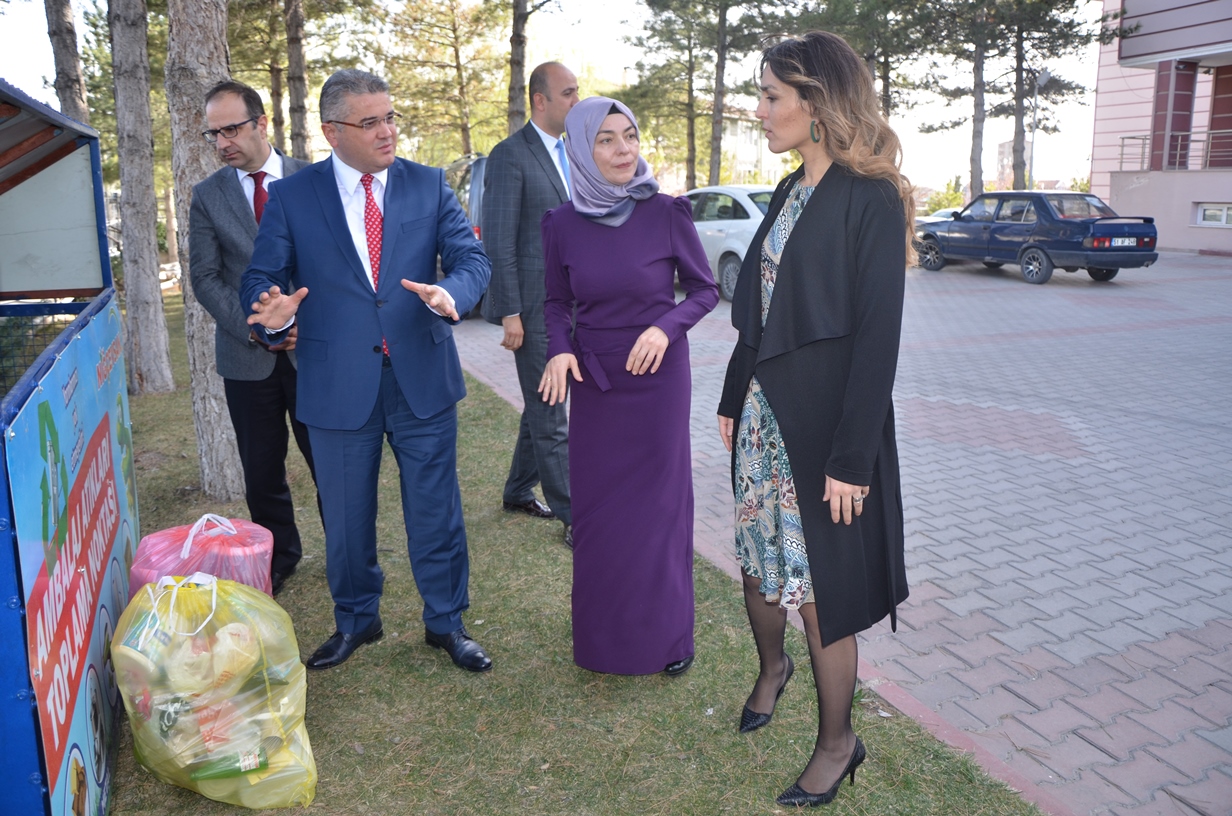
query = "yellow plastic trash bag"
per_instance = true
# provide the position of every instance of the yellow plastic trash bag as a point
(215, 691)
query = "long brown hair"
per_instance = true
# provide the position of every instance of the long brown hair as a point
(837, 88)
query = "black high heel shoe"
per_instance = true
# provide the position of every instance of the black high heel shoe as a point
(796, 795)
(750, 720)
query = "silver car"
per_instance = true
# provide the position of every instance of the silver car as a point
(726, 218)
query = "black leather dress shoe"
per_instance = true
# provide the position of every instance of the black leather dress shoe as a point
(569, 536)
(278, 578)
(339, 647)
(533, 508)
(679, 667)
(462, 648)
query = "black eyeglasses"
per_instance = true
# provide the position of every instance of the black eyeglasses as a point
(390, 119)
(230, 131)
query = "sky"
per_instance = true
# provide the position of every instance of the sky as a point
(588, 35)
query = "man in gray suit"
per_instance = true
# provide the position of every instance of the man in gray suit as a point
(527, 174)
(259, 379)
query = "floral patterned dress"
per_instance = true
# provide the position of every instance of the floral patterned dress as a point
(769, 534)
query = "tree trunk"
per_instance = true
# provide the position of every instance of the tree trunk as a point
(196, 60)
(690, 123)
(887, 100)
(297, 80)
(459, 71)
(70, 85)
(173, 241)
(277, 123)
(146, 346)
(517, 67)
(1020, 93)
(716, 119)
(977, 122)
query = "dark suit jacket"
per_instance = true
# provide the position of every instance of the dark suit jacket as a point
(826, 362)
(304, 241)
(221, 230)
(520, 184)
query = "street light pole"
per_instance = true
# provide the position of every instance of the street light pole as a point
(1041, 79)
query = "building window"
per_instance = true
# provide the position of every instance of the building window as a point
(1215, 215)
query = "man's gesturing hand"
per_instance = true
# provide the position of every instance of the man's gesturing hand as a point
(438, 299)
(273, 309)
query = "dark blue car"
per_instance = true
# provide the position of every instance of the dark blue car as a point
(1040, 231)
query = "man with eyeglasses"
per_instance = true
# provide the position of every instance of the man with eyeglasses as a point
(259, 379)
(347, 253)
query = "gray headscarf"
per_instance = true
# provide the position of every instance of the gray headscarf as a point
(594, 196)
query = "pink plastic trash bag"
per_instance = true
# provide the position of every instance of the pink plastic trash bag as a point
(234, 549)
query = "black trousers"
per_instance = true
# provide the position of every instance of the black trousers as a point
(259, 410)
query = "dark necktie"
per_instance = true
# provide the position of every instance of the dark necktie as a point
(259, 195)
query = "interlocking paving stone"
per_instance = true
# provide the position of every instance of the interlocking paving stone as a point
(1211, 794)
(1121, 737)
(1078, 648)
(1140, 776)
(1066, 446)
(1093, 794)
(1067, 755)
(984, 676)
(1158, 624)
(968, 603)
(1152, 688)
(1056, 721)
(1173, 719)
(1222, 660)
(1042, 689)
(1016, 613)
(996, 704)
(1106, 705)
(971, 626)
(1103, 614)
(1219, 736)
(1215, 636)
(1066, 625)
(1192, 756)
(1094, 675)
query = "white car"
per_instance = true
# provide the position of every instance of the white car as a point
(726, 218)
(946, 214)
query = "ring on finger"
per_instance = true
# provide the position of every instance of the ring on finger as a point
(857, 499)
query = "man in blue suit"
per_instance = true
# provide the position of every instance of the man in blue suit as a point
(354, 239)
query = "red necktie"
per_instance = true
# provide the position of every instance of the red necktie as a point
(259, 195)
(374, 223)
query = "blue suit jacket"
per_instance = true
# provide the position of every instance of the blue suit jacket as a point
(304, 242)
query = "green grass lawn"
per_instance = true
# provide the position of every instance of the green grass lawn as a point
(399, 730)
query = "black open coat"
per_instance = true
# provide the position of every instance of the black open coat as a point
(826, 363)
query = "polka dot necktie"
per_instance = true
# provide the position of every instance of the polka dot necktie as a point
(259, 194)
(374, 223)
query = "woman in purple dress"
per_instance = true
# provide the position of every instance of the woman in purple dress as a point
(617, 335)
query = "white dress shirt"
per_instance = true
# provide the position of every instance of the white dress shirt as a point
(351, 189)
(354, 199)
(273, 172)
(550, 143)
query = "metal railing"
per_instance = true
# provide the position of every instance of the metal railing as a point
(1192, 150)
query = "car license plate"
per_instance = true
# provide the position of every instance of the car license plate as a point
(1118, 242)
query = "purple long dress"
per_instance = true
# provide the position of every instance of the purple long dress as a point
(630, 471)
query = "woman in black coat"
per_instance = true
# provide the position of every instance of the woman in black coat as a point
(806, 408)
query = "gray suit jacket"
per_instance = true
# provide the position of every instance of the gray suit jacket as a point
(221, 230)
(520, 184)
